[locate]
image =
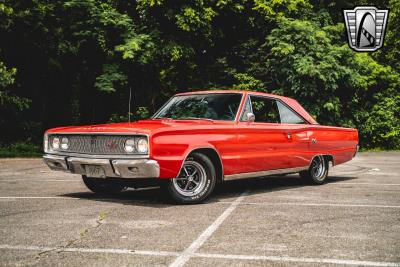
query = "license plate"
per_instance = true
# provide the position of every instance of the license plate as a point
(94, 171)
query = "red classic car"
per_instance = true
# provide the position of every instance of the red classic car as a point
(198, 139)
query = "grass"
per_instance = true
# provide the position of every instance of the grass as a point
(378, 149)
(20, 149)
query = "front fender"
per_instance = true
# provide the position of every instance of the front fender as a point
(170, 151)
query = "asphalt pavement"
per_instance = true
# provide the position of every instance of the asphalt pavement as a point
(50, 219)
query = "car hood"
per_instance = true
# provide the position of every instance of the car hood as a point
(143, 126)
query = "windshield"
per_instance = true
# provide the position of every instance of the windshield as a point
(204, 106)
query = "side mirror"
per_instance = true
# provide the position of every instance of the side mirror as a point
(250, 117)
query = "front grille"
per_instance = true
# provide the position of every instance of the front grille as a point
(96, 144)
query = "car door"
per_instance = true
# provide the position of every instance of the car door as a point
(301, 135)
(265, 144)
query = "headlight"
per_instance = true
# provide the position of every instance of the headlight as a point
(129, 145)
(64, 143)
(55, 144)
(142, 146)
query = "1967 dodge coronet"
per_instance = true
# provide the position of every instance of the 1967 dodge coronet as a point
(198, 139)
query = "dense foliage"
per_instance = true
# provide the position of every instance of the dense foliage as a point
(75, 61)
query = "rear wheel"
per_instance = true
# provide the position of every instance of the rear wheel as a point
(195, 181)
(317, 172)
(102, 186)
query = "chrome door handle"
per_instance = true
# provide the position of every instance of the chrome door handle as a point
(289, 135)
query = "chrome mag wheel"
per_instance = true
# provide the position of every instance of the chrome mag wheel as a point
(317, 172)
(318, 168)
(191, 180)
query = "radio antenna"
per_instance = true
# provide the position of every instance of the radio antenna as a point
(129, 104)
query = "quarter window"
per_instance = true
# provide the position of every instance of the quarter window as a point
(288, 116)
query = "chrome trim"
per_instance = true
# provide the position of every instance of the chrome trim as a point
(205, 93)
(357, 150)
(139, 168)
(238, 112)
(45, 142)
(94, 156)
(163, 106)
(274, 172)
(294, 111)
(100, 133)
(121, 168)
(243, 108)
(264, 173)
(250, 94)
(77, 165)
(250, 117)
(55, 163)
(66, 153)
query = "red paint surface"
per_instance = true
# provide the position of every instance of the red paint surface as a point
(242, 147)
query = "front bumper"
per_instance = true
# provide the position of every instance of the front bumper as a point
(121, 168)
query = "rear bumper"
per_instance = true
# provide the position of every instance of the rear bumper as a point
(356, 152)
(121, 168)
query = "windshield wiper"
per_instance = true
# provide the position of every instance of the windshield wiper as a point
(185, 118)
(195, 118)
(162, 118)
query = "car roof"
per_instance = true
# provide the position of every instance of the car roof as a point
(226, 92)
(289, 101)
(232, 92)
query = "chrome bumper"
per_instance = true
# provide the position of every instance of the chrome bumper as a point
(122, 168)
(356, 152)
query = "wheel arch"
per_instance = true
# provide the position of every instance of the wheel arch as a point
(213, 155)
(327, 157)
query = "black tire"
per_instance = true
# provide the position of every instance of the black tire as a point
(186, 190)
(317, 172)
(103, 186)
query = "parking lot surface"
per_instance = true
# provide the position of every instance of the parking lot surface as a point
(50, 218)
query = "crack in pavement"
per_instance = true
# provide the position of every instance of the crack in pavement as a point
(83, 234)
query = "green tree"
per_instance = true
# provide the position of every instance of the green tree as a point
(75, 61)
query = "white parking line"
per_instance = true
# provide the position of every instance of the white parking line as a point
(207, 255)
(236, 202)
(314, 204)
(33, 180)
(185, 256)
(30, 197)
(364, 184)
(295, 259)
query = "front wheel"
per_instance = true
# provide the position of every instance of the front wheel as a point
(195, 181)
(102, 186)
(317, 172)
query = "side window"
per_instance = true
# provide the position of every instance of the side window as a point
(246, 109)
(265, 109)
(288, 116)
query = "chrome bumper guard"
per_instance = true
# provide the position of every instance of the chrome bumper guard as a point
(121, 168)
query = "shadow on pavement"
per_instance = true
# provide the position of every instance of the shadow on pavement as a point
(157, 198)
